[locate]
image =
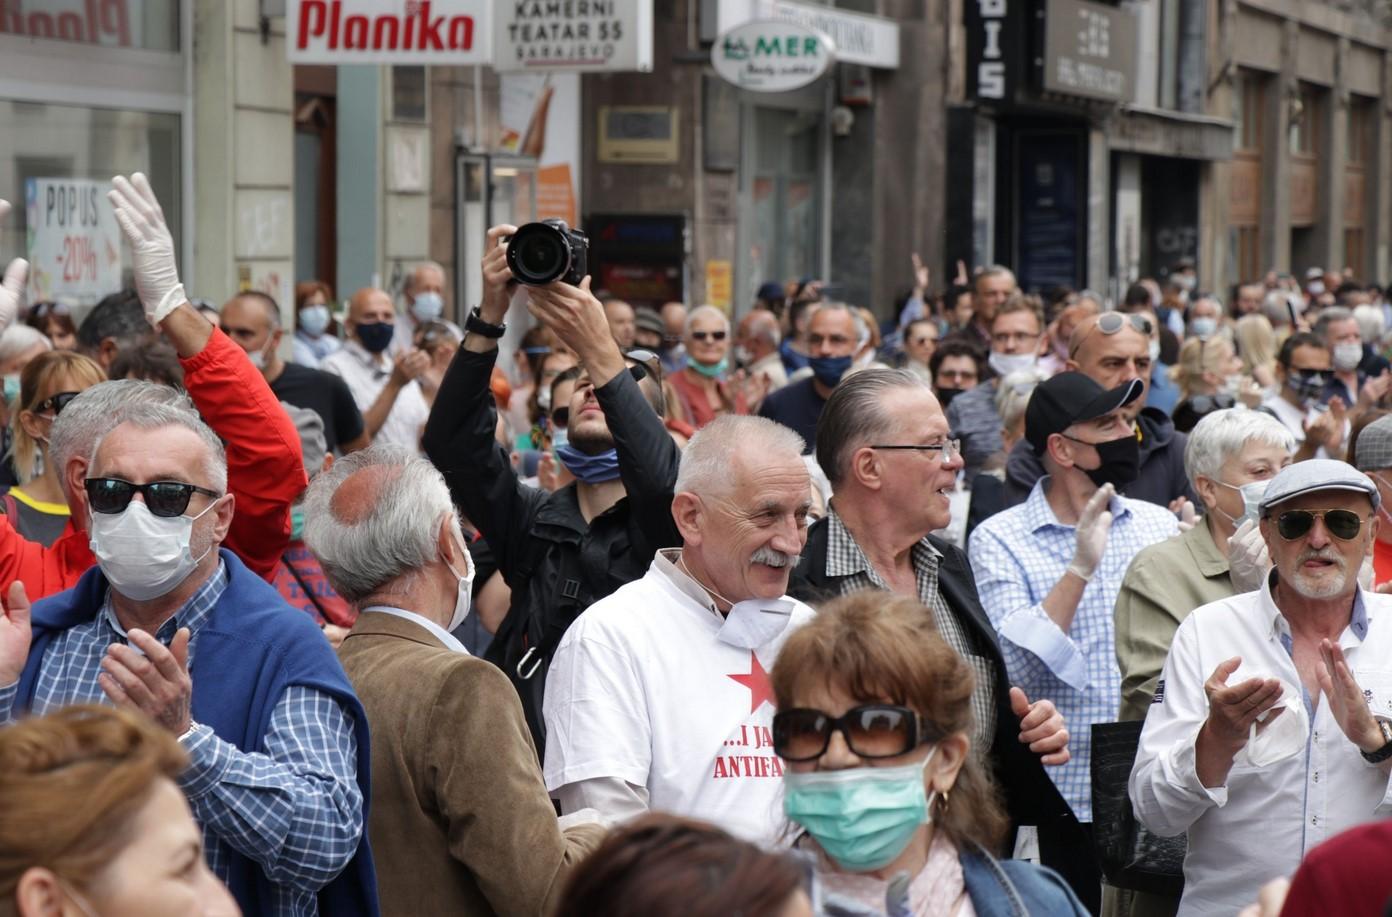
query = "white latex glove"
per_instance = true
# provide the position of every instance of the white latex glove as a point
(1248, 561)
(142, 223)
(12, 287)
(1094, 525)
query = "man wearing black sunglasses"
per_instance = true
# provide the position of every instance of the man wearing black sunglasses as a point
(561, 551)
(1271, 727)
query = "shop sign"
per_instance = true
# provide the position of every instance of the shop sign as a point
(720, 276)
(995, 47)
(388, 31)
(872, 41)
(74, 243)
(573, 35)
(1090, 50)
(772, 56)
(98, 22)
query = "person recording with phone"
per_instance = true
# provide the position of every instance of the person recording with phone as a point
(560, 552)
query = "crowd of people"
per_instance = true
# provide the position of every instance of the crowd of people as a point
(1007, 604)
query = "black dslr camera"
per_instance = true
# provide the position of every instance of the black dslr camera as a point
(549, 250)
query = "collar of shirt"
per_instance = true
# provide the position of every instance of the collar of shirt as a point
(191, 615)
(1207, 557)
(846, 558)
(379, 363)
(438, 632)
(1040, 515)
(665, 561)
(1280, 627)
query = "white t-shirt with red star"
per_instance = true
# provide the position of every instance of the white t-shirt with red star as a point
(655, 687)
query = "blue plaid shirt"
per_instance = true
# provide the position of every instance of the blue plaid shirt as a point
(296, 809)
(1018, 556)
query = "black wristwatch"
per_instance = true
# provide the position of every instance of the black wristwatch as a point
(1385, 752)
(476, 323)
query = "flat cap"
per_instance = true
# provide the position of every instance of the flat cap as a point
(1315, 475)
(1373, 451)
(648, 320)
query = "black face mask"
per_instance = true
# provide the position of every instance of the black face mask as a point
(945, 396)
(1121, 462)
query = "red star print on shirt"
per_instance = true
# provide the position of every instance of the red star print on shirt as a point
(757, 681)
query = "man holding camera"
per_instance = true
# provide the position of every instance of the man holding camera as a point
(559, 551)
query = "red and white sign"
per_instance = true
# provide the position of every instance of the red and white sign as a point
(74, 243)
(98, 22)
(389, 31)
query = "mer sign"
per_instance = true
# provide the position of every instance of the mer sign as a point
(772, 56)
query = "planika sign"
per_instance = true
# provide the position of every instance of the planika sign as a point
(766, 56)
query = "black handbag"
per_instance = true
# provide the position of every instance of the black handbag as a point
(1131, 856)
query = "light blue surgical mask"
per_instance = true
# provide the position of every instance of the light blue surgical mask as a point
(591, 469)
(1252, 492)
(427, 306)
(11, 387)
(863, 817)
(314, 320)
(1203, 327)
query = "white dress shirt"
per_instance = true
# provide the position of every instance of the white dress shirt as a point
(439, 633)
(1262, 821)
(366, 375)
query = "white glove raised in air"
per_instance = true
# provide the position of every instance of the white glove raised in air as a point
(1094, 524)
(142, 223)
(12, 287)
(1248, 561)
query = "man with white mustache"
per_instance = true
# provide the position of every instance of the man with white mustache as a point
(1271, 728)
(658, 697)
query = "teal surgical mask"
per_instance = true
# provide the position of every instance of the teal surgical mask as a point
(863, 817)
(297, 524)
(710, 370)
(11, 387)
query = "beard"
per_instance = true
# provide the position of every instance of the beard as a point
(592, 442)
(1320, 587)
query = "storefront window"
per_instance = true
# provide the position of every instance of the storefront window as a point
(151, 25)
(56, 163)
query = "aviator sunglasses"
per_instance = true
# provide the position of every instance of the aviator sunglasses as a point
(870, 731)
(162, 498)
(1343, 524)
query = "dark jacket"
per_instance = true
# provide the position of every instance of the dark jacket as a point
(555, 562)
(1162, 477)
(1030, 795)
(251, 648)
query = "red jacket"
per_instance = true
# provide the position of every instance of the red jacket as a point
(265, 472)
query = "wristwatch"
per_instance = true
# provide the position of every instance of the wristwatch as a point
(1382, 754)
(476, 323)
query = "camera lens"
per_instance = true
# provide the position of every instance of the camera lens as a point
(538, 254)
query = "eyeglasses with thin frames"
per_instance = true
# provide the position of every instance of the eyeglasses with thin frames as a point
(950, 449)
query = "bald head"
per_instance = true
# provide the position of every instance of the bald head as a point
(370, 304)
(356, 498)
(1113, 359)
(674, 317)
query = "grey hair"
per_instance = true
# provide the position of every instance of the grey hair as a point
(410, 283)
(1222, 434)
(1277, 307)
(19, 338)
(151, 415)
(1013, 394)
(705, 462)
(98, 411)
(704, 312)
(854, 417)
(394, 536)
(1330, 316)
(1370, 323)
(862, 330)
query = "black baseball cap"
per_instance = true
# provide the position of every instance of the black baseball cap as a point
(1070, 398)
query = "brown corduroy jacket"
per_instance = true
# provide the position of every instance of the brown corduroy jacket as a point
(460, 820)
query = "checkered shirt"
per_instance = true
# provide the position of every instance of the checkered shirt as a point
(295, 809)
(846, 560)
(1018, 556)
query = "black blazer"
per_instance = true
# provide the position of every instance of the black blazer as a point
(1030, 795)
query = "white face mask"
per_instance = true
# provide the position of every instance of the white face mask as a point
(1006, 363)
(1203, 327)
(464, 592)
(1347, 356)
(1282, 737)
(426, 307)
(1154, 352)
(258, 358)
(544, 398)
(144, 556)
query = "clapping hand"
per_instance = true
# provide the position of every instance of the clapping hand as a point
(1232, 709)
(156, 683)
(15, 635)
(12, 287)
(1094, 525)
(1346, 700)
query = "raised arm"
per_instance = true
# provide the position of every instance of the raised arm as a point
(265, 465)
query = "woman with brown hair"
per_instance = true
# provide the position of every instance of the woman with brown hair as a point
(861, 691)
(36, 505)
(54, 321)
(659, 865)
(94, 822)
(316, 331)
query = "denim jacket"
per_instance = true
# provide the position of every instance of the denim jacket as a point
(997, 888)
